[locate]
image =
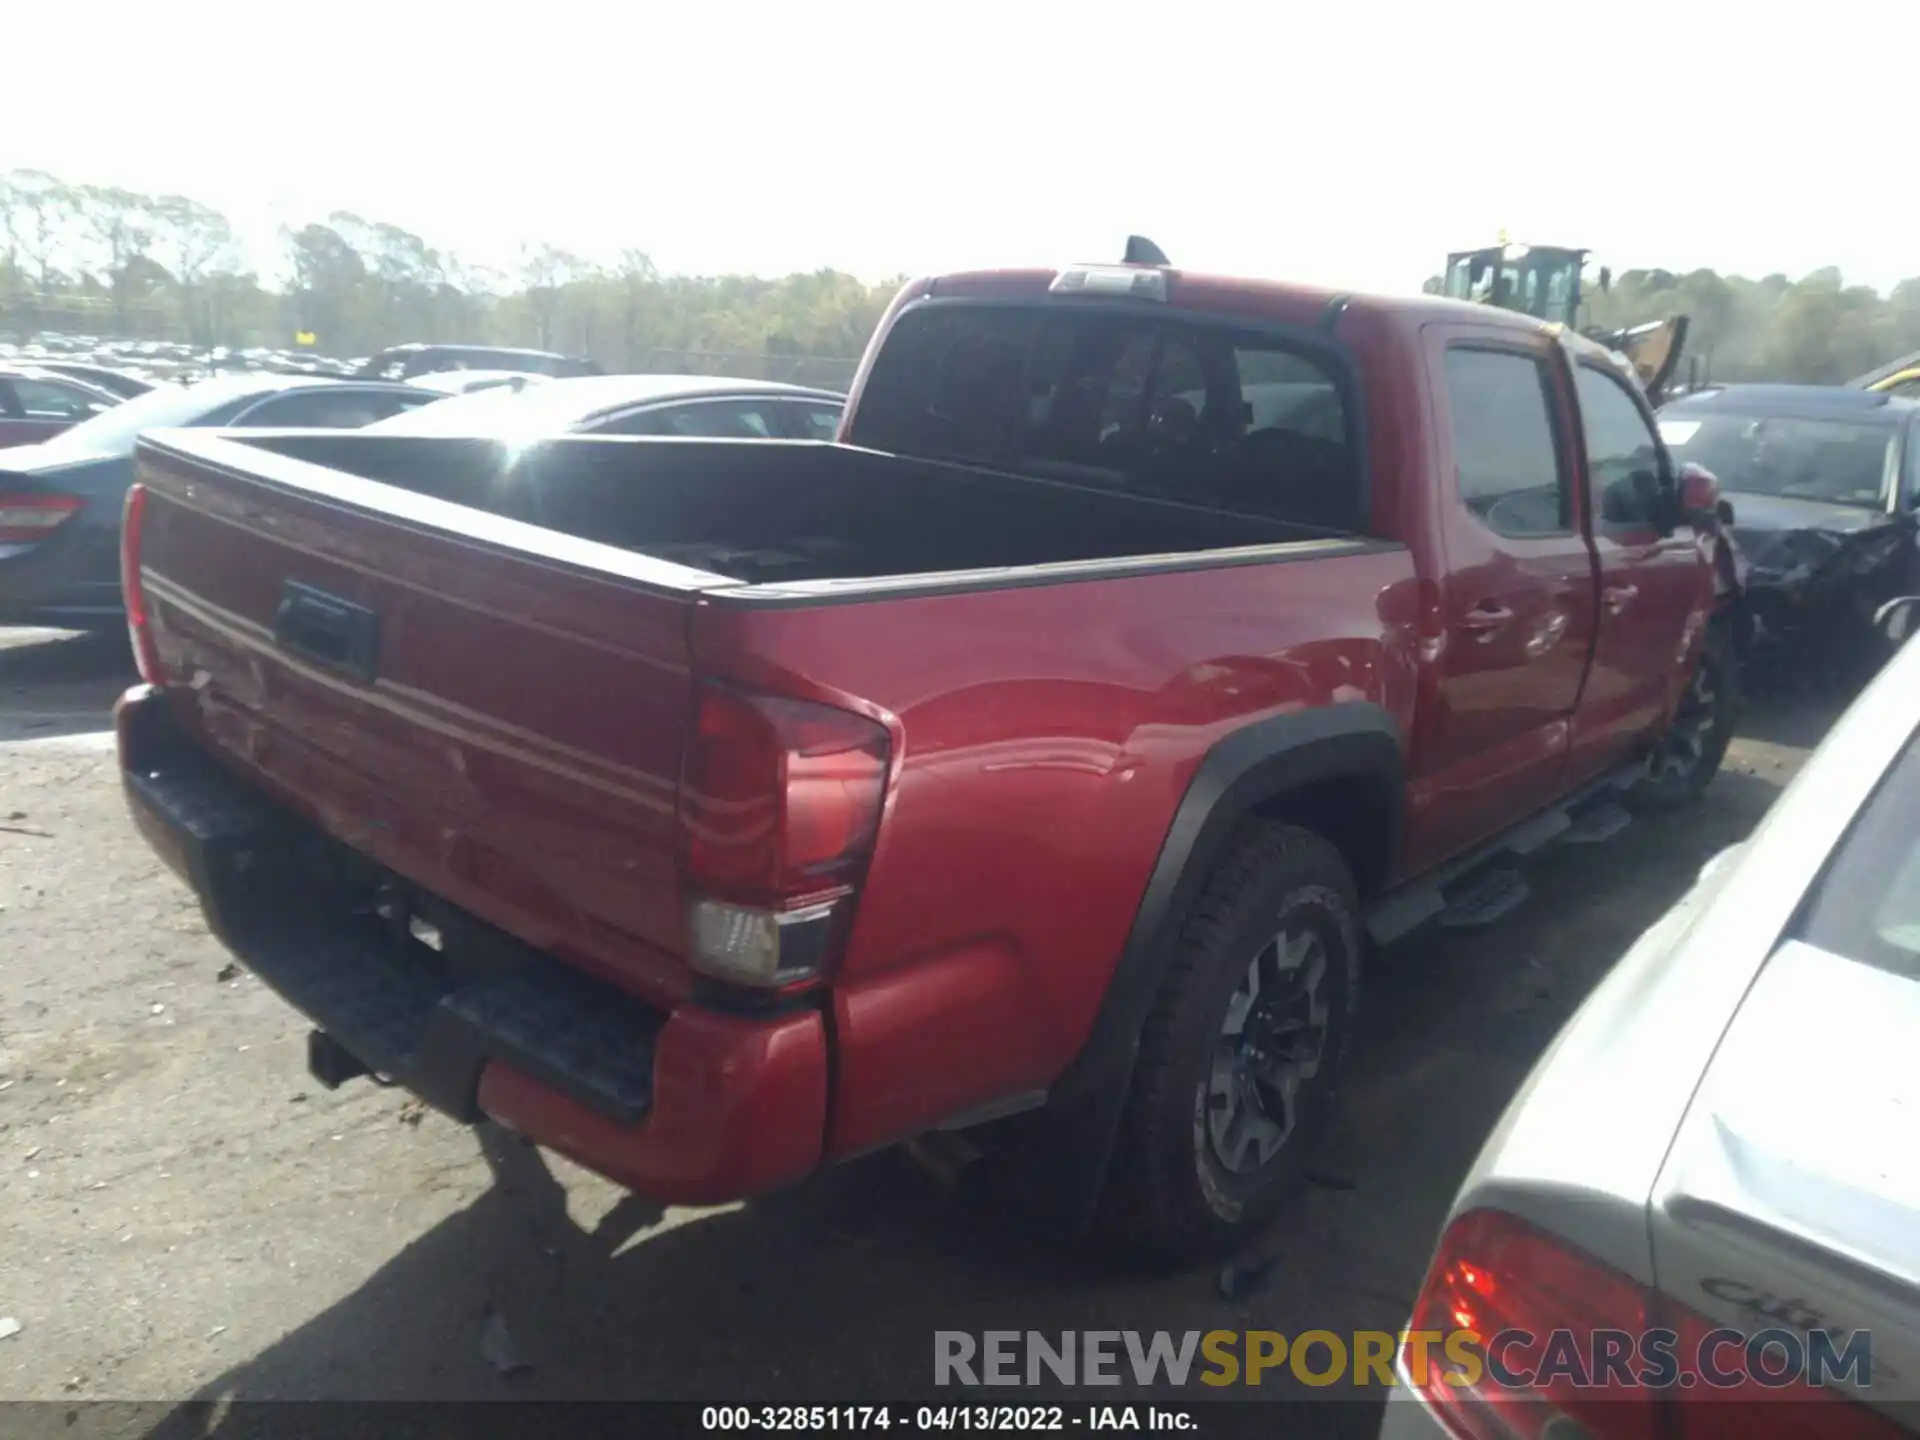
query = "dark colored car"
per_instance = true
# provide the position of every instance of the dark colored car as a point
(1035, 761)
(705, 405)
(60, 501)
(37, 404)
(403, 362)
(115, 382)
(1823, 482)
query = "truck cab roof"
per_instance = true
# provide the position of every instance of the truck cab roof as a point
(1281, 301)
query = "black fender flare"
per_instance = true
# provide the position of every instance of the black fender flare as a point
(1061, 1152)
(1244, 770)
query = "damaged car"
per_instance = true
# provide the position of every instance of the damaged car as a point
(1822, 484)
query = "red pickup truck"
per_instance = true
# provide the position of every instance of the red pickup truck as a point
(1035, 760)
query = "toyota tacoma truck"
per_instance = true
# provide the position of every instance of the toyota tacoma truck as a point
(1038, 760)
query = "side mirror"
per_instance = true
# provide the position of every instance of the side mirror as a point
(1699, 490)
(1895, 618)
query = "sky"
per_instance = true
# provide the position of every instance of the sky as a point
(1350, 145)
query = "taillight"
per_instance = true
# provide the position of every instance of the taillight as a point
(28, 519)
(1565, 1345)
(779, 803)
(146, 653)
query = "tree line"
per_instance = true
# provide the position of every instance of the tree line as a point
(106, 261)
(88, 259)
(1817, 330)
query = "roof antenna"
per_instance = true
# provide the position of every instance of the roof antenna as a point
(1142, 251)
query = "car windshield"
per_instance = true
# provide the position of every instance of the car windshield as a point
(112, 432)
(1844, 462)
(1867, 907)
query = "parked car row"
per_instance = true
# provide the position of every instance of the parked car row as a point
(63, 484)
(124, 366)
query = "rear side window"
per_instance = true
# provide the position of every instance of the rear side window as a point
(43, 400)
(325, 408)
(1867, 905)
(711, 419)
(1164, 407)
(1509, 469)
(1623, 455)
(807, 421)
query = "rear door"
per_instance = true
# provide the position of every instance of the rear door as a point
(1518, 595)
(1650, 584)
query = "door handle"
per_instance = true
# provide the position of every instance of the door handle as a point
(1618, 597)
(1487, 617)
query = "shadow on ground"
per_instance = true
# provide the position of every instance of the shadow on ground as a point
(56, 683)
(846, 1279)
(1776, 717)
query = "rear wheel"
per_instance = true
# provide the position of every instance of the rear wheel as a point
(1241, 1053)
(1689, 753)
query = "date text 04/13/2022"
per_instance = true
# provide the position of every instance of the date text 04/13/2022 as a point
(754, 1419)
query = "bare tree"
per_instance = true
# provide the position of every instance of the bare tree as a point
(639, 279)
(546, 272)
(195, 240)
(121, 223)
(39, 217)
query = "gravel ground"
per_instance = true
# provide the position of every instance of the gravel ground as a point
(187, 1215)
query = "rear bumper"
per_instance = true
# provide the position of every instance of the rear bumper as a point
(694, 1106)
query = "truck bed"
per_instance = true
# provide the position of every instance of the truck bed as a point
(785, 510)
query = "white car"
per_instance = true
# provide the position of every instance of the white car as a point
(1709, 1186)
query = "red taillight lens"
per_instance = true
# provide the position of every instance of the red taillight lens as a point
(779, 803)
(28, 519)
(1576, 1338)
(146, 653)
(779, 797)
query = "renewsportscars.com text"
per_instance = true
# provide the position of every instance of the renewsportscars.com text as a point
(1518, 1359)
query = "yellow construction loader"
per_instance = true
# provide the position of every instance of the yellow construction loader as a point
(1544, 281)
(1897, 377)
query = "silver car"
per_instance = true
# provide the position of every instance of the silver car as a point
(1709, 1186)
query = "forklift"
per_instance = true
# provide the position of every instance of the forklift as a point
(1544, 281)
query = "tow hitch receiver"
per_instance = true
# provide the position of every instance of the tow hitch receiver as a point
(330, 1062)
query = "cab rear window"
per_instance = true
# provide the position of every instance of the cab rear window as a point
(1179, 410)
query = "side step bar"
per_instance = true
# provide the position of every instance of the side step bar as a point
(1482, 887)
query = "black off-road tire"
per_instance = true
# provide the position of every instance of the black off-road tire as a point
(1719, 669)
(1168, 1193)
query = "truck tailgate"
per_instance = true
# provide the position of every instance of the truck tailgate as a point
(492, 712)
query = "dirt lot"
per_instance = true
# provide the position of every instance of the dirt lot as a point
(186, 1214)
